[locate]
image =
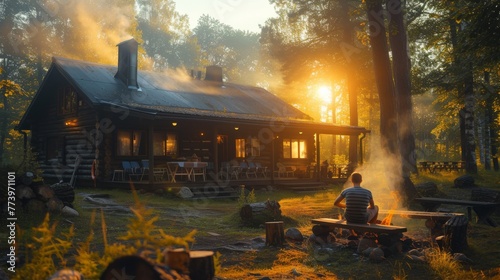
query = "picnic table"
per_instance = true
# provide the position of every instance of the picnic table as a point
(482, 209)
(433, 166)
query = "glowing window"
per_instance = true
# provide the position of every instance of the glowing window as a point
(294, 148)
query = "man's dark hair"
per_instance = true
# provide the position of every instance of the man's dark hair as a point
(356, 178)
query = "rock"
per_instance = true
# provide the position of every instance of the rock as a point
(295, 272)
(367, 251)
(294, 234)
(69, 212)
(464, 181)
(365, 243)
(322, 254)
(416, 258)
(415, 252)
(377, 255)
(462, 258)
(67, 274)
(185, 192)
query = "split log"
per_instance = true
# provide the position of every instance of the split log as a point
(275, 233)
(44, 192)
(24, 192)
(55, 205)
(36, 206)
(201, 265)
(455, 234)
(261, 212)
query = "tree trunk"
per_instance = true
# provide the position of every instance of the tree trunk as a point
(383, 76)
(401, 71)
(470, 142)
(491, 125)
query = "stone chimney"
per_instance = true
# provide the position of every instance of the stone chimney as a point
(214, 74)
(127, 63)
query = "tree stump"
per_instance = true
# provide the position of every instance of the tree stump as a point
(455, 234)
(178, 259)
(201, 265)
(275, 233)
(260, 212)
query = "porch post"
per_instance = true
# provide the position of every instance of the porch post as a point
(318, 163)
(215, 153)
(273, 160)
(151, 158)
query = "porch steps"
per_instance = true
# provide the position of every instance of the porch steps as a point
(203, 193)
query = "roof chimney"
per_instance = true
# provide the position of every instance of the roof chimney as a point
(127, 63)
(214, 74)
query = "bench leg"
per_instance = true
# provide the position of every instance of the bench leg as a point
(483, 215)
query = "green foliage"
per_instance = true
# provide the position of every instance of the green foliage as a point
(48, 253)
(45, 252)
(246, 197)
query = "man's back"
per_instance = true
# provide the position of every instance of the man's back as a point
(357, 200)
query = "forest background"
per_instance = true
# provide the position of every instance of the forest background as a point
(305, 56)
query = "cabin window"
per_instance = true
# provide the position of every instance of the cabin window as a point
(294, 148)
(68, 101)
(247, 147)
(165, 144)
(131, 143)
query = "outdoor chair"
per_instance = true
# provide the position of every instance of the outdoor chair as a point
(261, 169)
(130, 169)
(251, 170)
(157, 172)
(284, 170)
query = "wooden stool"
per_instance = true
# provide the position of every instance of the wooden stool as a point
(275, 233)
(201, 265)
(198, 264)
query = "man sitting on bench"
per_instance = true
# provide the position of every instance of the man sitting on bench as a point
(359, 205)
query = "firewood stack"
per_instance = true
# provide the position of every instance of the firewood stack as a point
(37, 197)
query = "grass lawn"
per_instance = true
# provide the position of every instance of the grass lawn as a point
(218, 226)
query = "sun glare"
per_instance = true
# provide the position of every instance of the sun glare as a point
(325, 94)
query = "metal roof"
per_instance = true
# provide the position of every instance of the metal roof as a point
(174, 92)
(169, 94)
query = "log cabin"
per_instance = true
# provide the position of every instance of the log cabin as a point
(107, 114)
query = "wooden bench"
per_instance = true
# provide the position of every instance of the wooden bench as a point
(483, 209)
(434, 220)
(331, 224)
